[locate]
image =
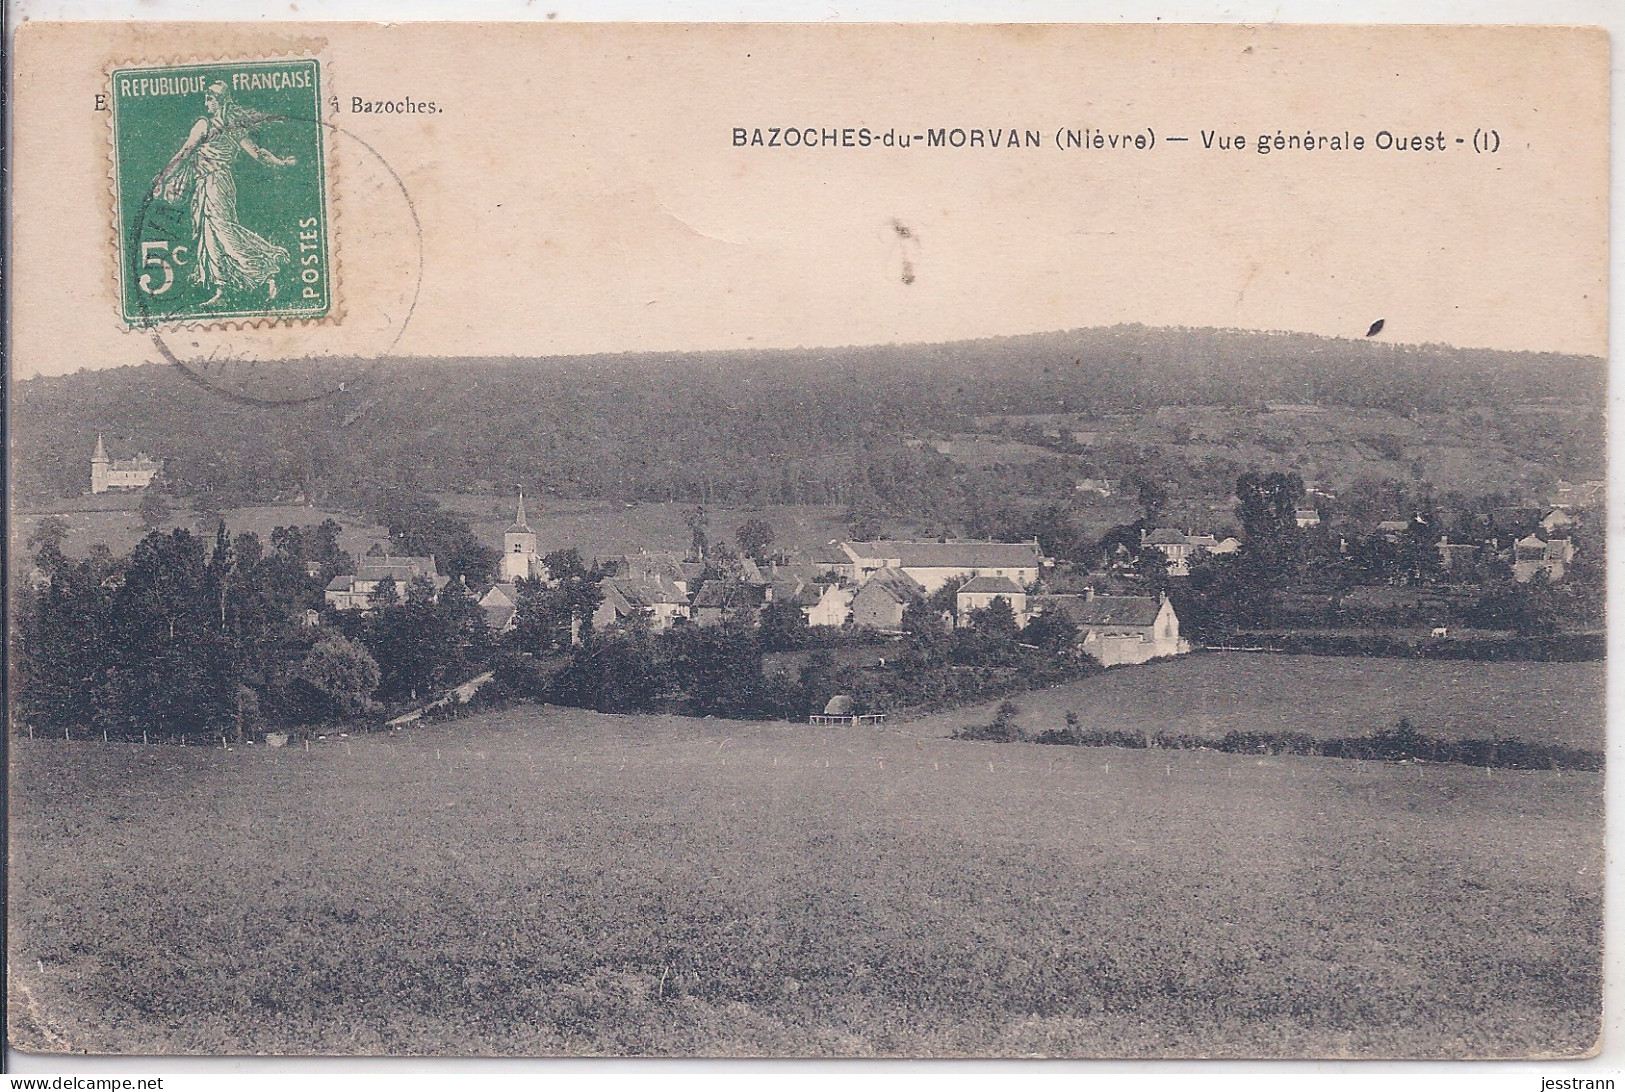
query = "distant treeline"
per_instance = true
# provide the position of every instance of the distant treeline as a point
(1554, 648)
(782, 427)
(1401, 743)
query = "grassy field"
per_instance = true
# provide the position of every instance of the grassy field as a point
(1213, 693)
(545, 881)
(120, 528)
(601, 528)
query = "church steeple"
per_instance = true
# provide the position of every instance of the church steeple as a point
(101, 451)
(519, 546)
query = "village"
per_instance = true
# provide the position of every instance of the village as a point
(432, 613)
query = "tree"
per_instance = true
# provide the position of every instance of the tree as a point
(997, 618)
(754, 536)
(386, 593)
(154, 510)
(208, 511)
(1268, 506)
(565, 564)
(945, 600)
(51, 532)
(1005, 726)
(1051, 630)
(169, 663)
(340, 676)
(551, 617)
(782, 626)
(1149, 493)
(419, 528)
(699, 541)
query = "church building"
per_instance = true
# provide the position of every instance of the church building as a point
(520, 560)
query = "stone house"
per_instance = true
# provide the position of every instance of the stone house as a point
(880, 601)
(980, 592)
(1120, 629)
(655, 599)
(1531, 557)
(356, 590)
(718, 600)
(1181, 548)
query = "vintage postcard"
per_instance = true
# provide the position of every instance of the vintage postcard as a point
(807, 540)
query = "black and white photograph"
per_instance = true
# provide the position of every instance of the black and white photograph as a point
(807, 542)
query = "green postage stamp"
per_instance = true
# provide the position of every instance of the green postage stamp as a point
(220, 183)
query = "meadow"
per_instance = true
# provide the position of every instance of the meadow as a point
(548, 881)
(118, 525)
(1212, 693)
(602, 528)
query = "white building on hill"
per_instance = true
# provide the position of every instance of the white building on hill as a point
(136, 473)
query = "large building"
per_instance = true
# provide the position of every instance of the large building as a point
(933, 564)
(357, 590)
(136, 473)
(1181, 548)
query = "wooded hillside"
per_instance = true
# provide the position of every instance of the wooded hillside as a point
(812, 426)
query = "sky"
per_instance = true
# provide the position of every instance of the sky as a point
(580, 189)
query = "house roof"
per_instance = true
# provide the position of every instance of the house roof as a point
(614, 599)
(402, 569)
(645, 591)
(1165, 536)
(830, 554)
(991, 585)
(789, 589)
(341, 583)
(894, 583)
(498, 616)
(501, 593)
(1105, 610)
(648, 566)
(729, 593)
(1529, 548)
(950, 555)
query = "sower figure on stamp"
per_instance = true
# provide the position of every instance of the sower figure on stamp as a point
(228, 254)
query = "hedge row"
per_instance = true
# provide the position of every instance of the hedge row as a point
(1401, 743)
(1558, 648)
